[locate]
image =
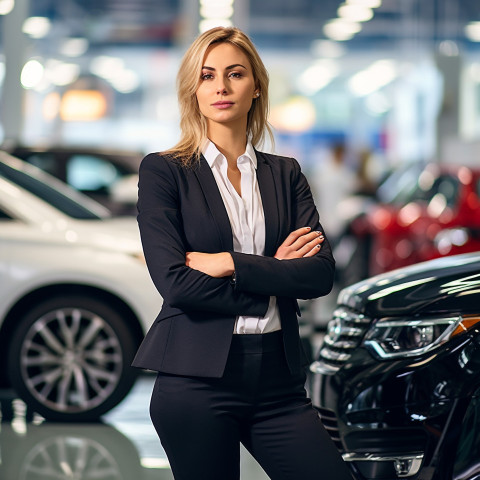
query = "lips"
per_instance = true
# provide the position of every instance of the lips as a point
(222, 104)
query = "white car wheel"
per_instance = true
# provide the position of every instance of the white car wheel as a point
(70, 358)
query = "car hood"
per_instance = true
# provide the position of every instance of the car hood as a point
(115, 234)
(439, 286)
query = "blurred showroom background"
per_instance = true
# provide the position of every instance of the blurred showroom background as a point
(399, 78)
(360, 89)
(379, 100)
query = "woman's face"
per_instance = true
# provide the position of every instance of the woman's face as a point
(227, 86)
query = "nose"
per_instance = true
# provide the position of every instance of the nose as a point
(221, 88)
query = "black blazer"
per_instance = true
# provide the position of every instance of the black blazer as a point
(180, 210)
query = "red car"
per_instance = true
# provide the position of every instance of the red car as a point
(438, 214)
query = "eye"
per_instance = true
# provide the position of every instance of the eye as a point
(206, 76)
(236, 75)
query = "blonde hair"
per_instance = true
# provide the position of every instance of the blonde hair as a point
(193, 124)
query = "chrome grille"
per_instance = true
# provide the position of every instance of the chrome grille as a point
(344, 333)
(329, 421)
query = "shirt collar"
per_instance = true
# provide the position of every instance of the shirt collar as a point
(211, 153)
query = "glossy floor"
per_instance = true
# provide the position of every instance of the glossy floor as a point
(123, 447)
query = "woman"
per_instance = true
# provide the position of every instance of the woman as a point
(232, 238)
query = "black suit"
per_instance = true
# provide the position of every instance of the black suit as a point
(181, 210)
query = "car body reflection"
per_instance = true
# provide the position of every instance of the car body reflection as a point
(51, 451)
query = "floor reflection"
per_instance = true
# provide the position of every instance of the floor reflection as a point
(124, 446)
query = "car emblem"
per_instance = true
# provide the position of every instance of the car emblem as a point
(335, 329)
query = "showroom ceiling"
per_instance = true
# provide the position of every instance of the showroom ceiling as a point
(271, 23)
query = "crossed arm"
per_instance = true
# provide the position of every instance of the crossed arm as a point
(299, 244)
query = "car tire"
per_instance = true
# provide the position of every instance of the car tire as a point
(65, 452)
(69, 358)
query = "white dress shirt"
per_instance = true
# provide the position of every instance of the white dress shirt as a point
(247, 221)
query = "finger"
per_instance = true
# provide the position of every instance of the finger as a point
(313, 251)
(293, 236)
(308, 247)
(304, 239)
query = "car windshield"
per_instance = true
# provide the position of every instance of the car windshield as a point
(51, 195)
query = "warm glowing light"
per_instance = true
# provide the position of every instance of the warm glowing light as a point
(83, 106)
(36, 27)
(409, 214)
(51, 106)
(437, 205)
(381, 218)
(6, 6)
(465, 175)
(296, 115)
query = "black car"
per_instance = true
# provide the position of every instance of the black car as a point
(108, 176)
(397, 378)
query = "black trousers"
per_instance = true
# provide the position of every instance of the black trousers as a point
(202, 421)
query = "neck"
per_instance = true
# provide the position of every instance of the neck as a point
(229, 141)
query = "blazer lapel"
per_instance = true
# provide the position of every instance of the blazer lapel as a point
(266, 183)
(215, 203)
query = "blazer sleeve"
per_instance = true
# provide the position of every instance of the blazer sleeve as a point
(303, 278)
(161, 230)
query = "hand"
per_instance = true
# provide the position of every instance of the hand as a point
(216, 265)
(300, 243)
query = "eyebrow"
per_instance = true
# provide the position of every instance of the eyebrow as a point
(230, 67)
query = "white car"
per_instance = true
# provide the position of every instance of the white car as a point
(75, 296)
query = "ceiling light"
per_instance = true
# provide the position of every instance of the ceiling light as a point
(340, 29)
(36, 27)
(6, 6)
(216, 11)
(32, 74)
(127, 82)
(74, 47)
(472, 31)
(107, 67)
(215, 3)
(355, 13)
(317, 76)
(373, 78)
(327, 49)
(60, 73)
(365, 3)
(449, 48)
(209, 23)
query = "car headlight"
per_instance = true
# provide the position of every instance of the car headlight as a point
(408, 338)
